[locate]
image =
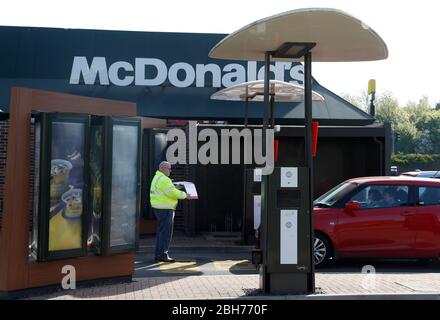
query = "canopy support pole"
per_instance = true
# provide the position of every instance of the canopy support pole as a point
(246, 110)
(308, 155)
(272, 111)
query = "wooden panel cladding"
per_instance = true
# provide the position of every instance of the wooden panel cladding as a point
(15, 271)
(87, 268)
(153, 123)
(15, 238)
(58, 102)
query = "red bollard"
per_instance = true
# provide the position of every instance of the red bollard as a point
(315, 125)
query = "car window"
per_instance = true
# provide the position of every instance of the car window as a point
(428, 196)
(382, 196)
(426, 174)
(332, 196)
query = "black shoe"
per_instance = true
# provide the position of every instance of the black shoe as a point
(165, 259)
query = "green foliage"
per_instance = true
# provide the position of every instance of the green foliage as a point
(360, 101)
(408, 137)
(417, 124)
(412, 161)
(414, 158)
(388, 110)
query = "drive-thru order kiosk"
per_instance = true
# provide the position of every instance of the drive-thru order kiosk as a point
(279, 91)
(287, 200)
(331, 36)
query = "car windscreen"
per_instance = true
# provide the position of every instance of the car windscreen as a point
(329, 198)
(428, 174)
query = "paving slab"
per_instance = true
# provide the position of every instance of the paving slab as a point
(329, 286)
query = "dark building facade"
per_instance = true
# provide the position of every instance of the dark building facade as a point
(169, 76)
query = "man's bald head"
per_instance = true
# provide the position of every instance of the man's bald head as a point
(165, 167)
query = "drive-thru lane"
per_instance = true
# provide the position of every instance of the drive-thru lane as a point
(224, 263)
(195, 264)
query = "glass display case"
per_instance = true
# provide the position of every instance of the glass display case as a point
(96, 185)
(62, 180)
(33, 238)
(87, 185)
(121, 188)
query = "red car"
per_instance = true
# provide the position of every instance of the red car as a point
(382, 217)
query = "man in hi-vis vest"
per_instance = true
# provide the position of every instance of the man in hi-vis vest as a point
(163, 198)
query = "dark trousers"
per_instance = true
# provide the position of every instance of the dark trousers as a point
(165, 222)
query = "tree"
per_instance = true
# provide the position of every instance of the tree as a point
(416, 110)
(408, 137)
(417, 124)
(360, 101)
(388, 110)
(428, 125)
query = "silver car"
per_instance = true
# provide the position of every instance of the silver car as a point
(422, 174)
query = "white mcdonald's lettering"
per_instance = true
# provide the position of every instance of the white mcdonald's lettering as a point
(179, 74)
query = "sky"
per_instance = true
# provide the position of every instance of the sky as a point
(410, 29)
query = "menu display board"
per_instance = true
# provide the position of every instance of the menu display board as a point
(66, 185)
(62, 182)
(124, 185)
(87, 193)
(96, 185)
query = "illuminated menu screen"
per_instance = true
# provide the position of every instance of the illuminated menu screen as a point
(66, 186)
(124, 185)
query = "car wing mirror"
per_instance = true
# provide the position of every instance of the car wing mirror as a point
(352, 206)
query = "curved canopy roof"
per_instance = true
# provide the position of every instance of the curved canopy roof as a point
(338, 36)
(254, 91)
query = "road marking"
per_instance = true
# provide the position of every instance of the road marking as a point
(186, 266)
(233, 265)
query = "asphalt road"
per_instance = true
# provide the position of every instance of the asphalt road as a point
(382, 266)
(195, 264)
(224, 263)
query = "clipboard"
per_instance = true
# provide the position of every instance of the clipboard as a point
(189, 187)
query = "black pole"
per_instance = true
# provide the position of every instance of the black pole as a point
(246, 111)
(266, 98)
(244, 227)
(308, 156)
(372, 106)
(272, 111)
(265, 284)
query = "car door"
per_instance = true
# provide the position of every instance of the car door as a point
(426, 221)
(377, 228)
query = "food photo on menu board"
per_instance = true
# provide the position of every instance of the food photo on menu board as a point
(96, 157)
(66, 186)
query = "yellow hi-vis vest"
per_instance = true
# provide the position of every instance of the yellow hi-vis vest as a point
(163, 193)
